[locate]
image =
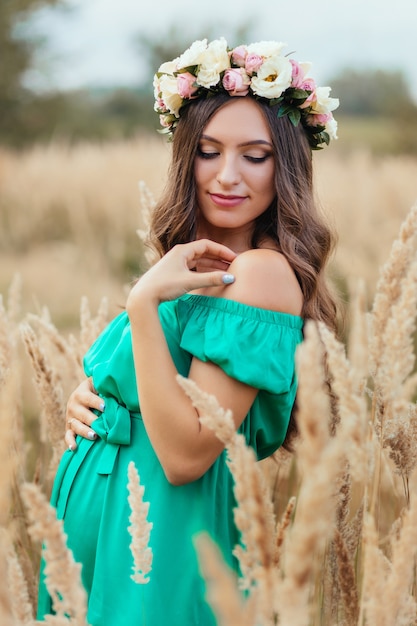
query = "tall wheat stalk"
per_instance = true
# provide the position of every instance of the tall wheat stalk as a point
(139, 529)
(62, 573)
(349, 505)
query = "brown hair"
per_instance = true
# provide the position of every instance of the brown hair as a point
(292, 220)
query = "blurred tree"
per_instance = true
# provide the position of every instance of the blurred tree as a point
(97, 114)
(373, 93)
(377, 99)
(154, 51)
(19, 107)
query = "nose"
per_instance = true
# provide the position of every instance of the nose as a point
(228, 173)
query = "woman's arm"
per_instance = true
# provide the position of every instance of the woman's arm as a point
(185, 448)
(168, 279)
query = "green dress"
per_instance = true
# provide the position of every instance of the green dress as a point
(253, 345)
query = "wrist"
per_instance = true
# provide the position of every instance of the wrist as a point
(141, 300)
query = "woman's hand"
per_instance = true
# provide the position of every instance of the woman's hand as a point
(175, 274)
(79, 415)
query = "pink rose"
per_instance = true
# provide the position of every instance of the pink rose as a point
(297, 74)
(319, 119)
(238, 56)
(160, 105)
(186, 85)
(308, 85)
(252, 63)
(164, 121)
(236, 81)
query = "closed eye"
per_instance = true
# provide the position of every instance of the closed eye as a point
(207, 155)
(212, 154)
(254, 159)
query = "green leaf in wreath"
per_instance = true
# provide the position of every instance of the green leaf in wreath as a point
(299, 94)
(295, 116)
(284, 109)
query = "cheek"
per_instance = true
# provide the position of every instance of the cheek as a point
(264, 181)
(201, 173)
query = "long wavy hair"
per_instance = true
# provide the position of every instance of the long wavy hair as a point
(292, 221)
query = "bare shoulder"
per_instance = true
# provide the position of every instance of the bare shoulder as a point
(265, 279)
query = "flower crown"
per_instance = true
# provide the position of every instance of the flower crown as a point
(259, 69)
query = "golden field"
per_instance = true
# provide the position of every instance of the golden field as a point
(69, 216)
(337, 546)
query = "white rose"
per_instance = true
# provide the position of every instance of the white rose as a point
(168, 67)
(331, 128)
(170, 95)
(207, 78)
(266, 48)
(323, 103)
(212, 62)
(156, 86)
(192, 56)
(273, 77)
(217, 55)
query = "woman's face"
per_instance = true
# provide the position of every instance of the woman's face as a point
(234, 168)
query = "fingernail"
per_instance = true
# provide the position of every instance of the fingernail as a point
(102, 407)
(91, 434)
(228, 279)
(72, 447)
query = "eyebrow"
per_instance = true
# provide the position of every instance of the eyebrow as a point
(254, 142)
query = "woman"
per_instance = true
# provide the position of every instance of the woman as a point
(242, 253)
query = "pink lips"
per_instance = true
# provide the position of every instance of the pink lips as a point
(226, 201)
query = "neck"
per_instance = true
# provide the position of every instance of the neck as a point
(238, 240)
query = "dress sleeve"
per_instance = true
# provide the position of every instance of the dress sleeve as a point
(110, 363)
(256, 347)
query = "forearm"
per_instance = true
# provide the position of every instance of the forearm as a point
(172, 424)
(185, 448)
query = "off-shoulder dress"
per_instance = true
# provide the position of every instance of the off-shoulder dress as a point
(253, 345)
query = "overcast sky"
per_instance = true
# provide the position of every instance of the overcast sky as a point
(92, 43)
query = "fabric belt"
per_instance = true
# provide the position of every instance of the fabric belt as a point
(113, 426)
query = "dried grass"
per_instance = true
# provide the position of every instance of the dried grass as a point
(328, 533)
(62, 573)
(50, 397)
(140, 528)
(223, 595)
(21, 605)
(254, 515)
